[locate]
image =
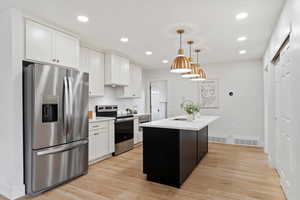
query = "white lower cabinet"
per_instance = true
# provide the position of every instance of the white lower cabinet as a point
(140, 136)
(92, 148)
(135, 130)
(137, 134)
(101, 140)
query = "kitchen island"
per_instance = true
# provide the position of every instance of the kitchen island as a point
(172, 148)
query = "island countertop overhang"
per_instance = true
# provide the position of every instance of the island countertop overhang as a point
(171, 123)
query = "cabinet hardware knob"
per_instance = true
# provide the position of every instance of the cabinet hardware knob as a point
(57, 60)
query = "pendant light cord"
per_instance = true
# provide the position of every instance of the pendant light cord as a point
(198, 59)
(180, 39)
(190, 50)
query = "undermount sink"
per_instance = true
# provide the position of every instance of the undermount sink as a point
(180, 119)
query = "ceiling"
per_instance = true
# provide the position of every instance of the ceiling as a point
(150, 25)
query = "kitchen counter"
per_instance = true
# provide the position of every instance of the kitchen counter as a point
(171, 123)
(140, 114)
(101, 119)
(172, 149)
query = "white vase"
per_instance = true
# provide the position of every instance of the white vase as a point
(190, 117)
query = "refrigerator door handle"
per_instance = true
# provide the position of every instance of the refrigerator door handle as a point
(70, 104)
(62, 149)
(66, 106)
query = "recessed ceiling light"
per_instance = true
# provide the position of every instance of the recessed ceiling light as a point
(241, 16)
(165, 61)
(148, 53)
(83, 18)
(124, 39)
(242, 39)
(243, 52)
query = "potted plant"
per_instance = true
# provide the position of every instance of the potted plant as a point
(191, 109)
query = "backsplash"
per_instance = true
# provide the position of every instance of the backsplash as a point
(110, 98)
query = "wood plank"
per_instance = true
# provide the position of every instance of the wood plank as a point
(228, 172)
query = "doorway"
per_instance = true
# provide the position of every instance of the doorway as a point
(159, 100)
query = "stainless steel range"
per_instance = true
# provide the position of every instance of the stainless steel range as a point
(123, 127)
(55, 126)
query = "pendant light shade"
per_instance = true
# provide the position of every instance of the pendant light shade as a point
(194, 67)
(181, 64)
(193, 74)
(202, 75)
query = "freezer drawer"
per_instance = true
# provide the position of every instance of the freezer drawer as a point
(56, 165)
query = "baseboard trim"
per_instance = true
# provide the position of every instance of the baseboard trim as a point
(271, 162)
(92, 162)
(12, 192)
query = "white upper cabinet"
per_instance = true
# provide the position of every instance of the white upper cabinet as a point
(116, 70)
(66, 50)
(39, 42)
(134, 88)
(92, 62)
(44, 44)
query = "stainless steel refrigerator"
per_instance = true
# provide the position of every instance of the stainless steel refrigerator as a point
(55, 126)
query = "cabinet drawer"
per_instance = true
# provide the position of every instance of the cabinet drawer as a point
(98, 125)
(98, 131)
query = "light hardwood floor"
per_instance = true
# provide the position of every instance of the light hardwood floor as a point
(226, 173)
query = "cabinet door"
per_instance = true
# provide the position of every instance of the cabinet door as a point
(128, 91)
(136, 131)
(140, 136)
(111, 126)
(137, 81)
(114, 69)
(66, 50)
(39, 42)
(96, 62)
(83, 60)
(188, 153)
(92, 146)
(124, 71)
(202, 145)
(102, 143)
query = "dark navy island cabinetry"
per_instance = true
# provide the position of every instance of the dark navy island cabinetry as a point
(171, 153)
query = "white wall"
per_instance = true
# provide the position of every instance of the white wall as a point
(289, 21)
(109, 98)
(241, 115)
(11, 142)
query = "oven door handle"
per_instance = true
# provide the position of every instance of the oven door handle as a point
(124, 120)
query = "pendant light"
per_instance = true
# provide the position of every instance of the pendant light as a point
(202, 75)
(193, 73)
(181, 63)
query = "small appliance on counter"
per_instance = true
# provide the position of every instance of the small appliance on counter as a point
(123, 127)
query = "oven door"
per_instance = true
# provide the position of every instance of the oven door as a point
(123, 130)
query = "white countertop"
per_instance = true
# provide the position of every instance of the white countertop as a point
(140, 114)
(170, 123)
(101, 119)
